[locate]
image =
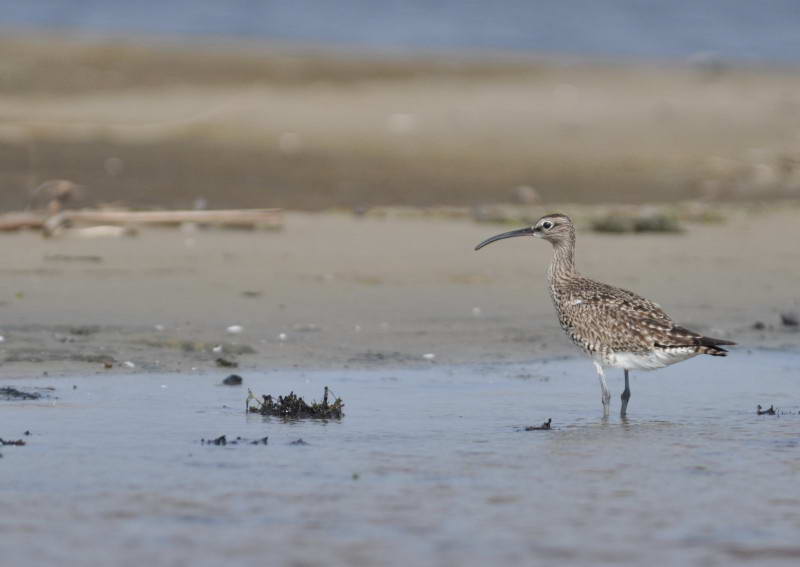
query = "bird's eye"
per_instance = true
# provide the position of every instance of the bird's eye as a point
(547, 224)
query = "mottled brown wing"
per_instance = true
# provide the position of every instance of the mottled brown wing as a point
(598, 314)
(625, 300)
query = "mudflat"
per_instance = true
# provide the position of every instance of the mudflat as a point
(335, 290)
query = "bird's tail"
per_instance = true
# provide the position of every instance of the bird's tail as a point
(680, 337)
(707, 345)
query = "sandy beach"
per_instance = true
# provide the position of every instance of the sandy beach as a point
(268, 125)
(335, 290)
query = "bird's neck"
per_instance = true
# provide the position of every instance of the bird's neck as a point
(563, 265)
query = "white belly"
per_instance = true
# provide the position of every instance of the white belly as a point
(646, 361)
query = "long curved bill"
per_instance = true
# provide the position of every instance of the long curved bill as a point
(527, 231)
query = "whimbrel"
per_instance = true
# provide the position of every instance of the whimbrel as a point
(615, 327)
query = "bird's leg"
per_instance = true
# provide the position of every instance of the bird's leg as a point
(606, 395)
(626, 395)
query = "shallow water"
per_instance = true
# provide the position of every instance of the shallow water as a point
(429, 467)
(734, 29)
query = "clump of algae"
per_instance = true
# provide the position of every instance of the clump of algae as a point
(293, 406)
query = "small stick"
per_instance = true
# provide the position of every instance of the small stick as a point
(250, 396)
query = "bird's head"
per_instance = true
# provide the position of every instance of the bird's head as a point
(555, 228)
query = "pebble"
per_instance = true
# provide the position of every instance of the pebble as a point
(790, 319)
(233, 380)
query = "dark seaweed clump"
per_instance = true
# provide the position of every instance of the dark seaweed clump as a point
(619, 223)
(543, 427)
(222, 440)
(293, 406)
(9, 393)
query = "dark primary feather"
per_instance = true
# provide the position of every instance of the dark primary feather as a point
(705, 345)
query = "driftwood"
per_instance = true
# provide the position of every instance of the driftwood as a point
(241, 218)
(231, 217)
(19, 221)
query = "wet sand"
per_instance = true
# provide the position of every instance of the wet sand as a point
(337, 291)
(429, 466)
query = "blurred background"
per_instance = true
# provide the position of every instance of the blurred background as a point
(314, 105)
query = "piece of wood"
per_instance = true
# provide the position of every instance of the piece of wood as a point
(18, 221)
(244, 218)
(230, 217)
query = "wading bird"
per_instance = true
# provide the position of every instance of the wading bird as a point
(614, 327)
